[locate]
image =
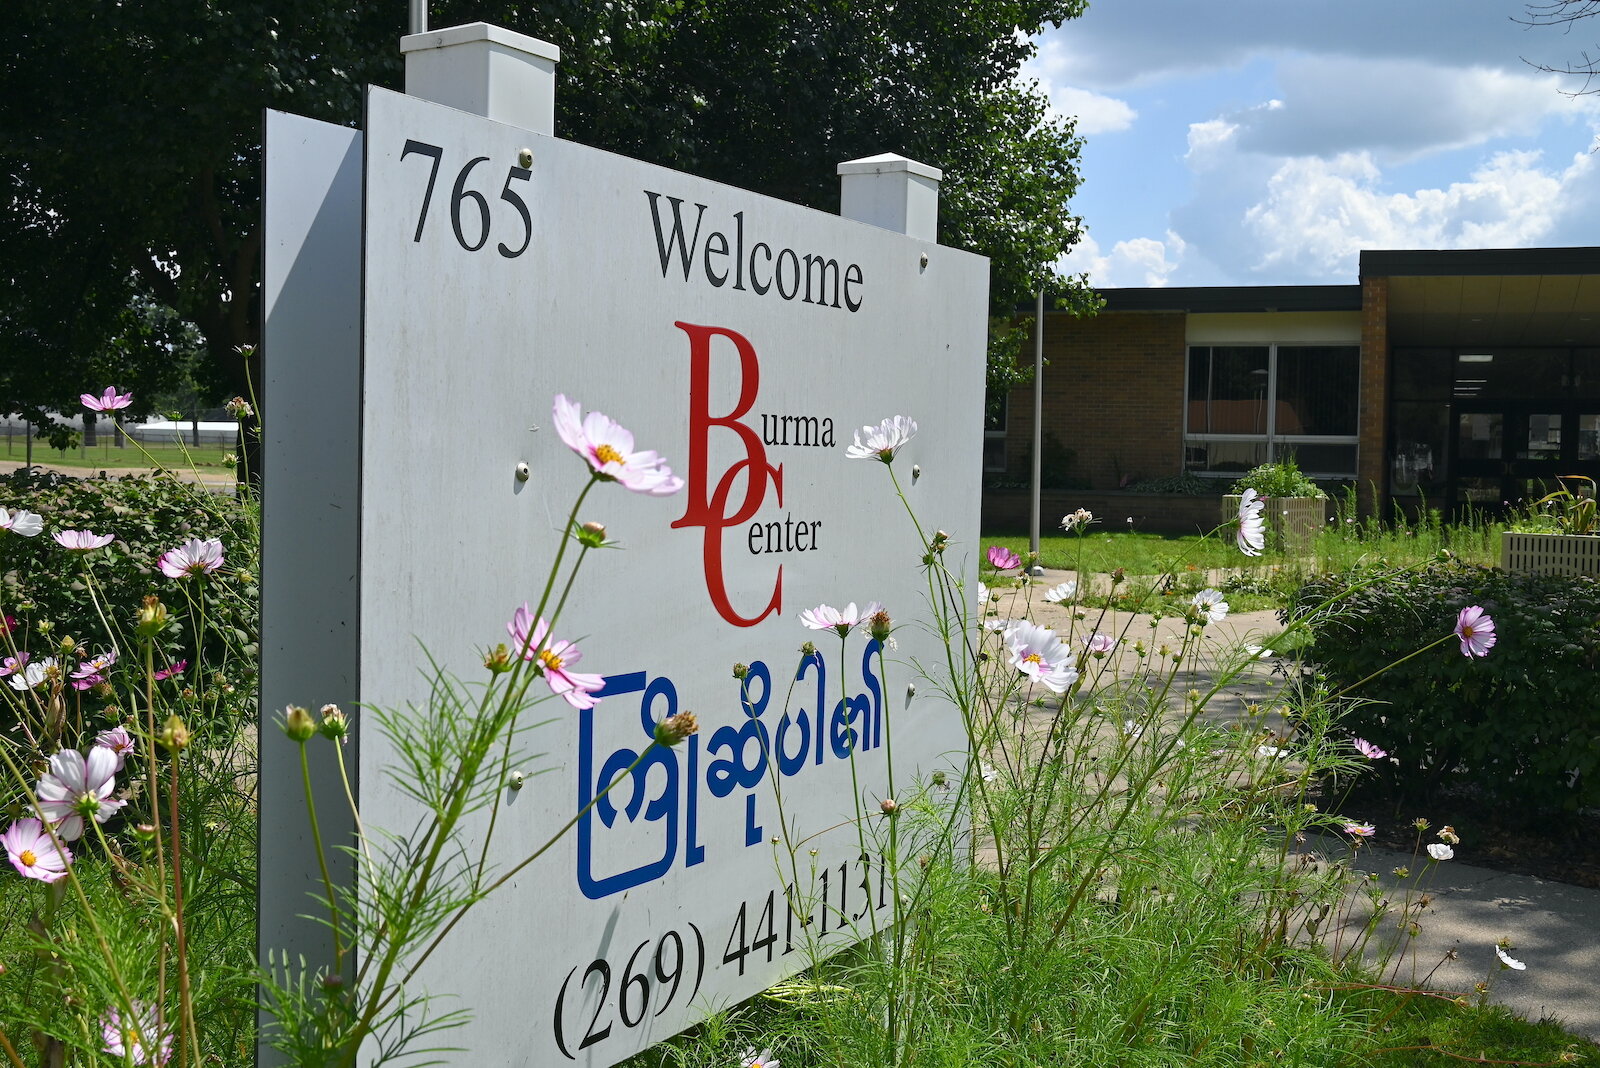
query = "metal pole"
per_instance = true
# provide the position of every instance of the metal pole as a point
(1038, 421)
(419, 16)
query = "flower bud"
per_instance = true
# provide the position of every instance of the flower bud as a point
(152, 619)
(879, 625)
(498, 659)
(334, 725)
(174, 735)
(741, 670)
(889, 806)
(298, 724)
(674, 729)
(68, 643)
(592, 535)
(808, 649)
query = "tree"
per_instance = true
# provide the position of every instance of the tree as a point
(1566, 14)
(132, 159)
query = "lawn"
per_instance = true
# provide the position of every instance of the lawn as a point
(106, 455)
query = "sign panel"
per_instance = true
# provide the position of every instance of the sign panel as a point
(744, 339)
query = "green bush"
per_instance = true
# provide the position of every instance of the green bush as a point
(1280, 479)
(1187, 483)
(54, 594)
(1520, 727)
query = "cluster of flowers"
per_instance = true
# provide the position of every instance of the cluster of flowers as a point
(76, 788)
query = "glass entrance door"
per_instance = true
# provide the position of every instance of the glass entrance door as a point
(1509, 453)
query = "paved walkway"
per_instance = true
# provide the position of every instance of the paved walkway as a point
(1555, 927)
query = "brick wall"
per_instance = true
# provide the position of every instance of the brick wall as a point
(1372, 469)
(1007, 512)
(1113, 394)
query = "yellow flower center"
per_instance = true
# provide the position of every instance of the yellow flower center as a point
(550, 660)
(28, 859)
(1466, 631)
(608, 455)
(1033, 658)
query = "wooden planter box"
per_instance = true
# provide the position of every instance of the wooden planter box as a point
(1550, 554)
(1292, 522)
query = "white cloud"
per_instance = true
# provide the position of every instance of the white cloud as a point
(1095, 113)
(1317, 215)
(1141, 261)
(1400, 109)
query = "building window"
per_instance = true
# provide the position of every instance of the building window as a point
(1248, 404)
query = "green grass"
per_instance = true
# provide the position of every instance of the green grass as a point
(1137, 553)
(105, 455)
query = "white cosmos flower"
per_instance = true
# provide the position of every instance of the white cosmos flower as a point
(1439, 851)
(881, 442)
(1038, 653)
(1210, 606)
(30, 675)
(1251, 535)
(1063, 592)
(1508, 961)
(21, 522)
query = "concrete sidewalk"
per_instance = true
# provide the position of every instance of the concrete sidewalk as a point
(1555, 927)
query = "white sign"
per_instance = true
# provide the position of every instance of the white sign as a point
(745, 339)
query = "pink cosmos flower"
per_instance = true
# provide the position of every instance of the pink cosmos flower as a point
(193, 557)
(21, 522)
(119, 741)
(1359, 830)
(1100, 644)
(553, 659)
(109, 401)
(92, 671)
(1368, 750)
(75, 786)
(1476, 631)
(607, 447)
(753, 1059)
(132, 1037)
(81, 541)
(883, 441)
(169, 672)
(33, 853)
(839, 620)
(1251, 535)
(1039, 654)
(13, 663)
(1003, 559)
(7, 625)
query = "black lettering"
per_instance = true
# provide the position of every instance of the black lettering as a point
(768, 425)
(821, 276)
(664, 245)
(754, 536)
(827, 433)
(852, 276)
(815, 523)
(761, 289)
(794, 262)
(803, 424)
(774, 538)
(716, 245)
(738, 251)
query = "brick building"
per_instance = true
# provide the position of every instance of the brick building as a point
(1451, 377)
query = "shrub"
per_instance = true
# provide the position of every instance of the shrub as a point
(1187, 483)
(1521, 726)
(1280, 479)
(40, 584)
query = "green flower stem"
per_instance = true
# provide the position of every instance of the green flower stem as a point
(180, 926)
(152, 771)
(1395, 664)
(322, 860)
(535, 855)
(505, 752)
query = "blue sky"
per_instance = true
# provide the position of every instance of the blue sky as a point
(1250, 142)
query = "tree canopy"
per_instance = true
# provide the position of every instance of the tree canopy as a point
(133, 149)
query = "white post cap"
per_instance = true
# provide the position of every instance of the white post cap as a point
(487, 70)
(893, 192)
